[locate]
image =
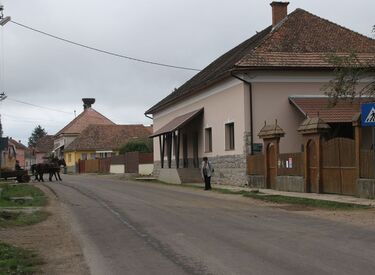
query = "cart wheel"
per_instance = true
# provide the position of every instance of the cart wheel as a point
(24, 178)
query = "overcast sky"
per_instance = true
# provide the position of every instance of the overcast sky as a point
(191, 33)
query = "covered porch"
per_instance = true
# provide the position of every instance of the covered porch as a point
(179, 143)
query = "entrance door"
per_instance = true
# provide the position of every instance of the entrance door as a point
(272, 163)
(312, 167)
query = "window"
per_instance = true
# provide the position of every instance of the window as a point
(93, 156)
(229, 136)
(208, 140)
(84, 156)
(69, 157)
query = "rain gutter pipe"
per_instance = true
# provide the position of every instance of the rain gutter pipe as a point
(251, 110)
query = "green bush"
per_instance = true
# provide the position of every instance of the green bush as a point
(143, 145)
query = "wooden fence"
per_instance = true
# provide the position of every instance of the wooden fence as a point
(367, 164)
(131, 160)
(255, 164)
(291, 164)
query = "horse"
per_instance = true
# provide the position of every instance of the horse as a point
(52, 168)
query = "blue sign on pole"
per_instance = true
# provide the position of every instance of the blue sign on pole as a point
(368, 114)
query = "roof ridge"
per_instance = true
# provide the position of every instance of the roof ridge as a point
(331, 22)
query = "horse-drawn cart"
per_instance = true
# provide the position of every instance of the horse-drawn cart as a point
(21, 176)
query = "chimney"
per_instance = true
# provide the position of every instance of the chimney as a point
(279, 11)
(87, 102)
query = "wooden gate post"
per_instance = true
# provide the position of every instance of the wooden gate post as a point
(357, 139)
(271, 134)
(312, 130)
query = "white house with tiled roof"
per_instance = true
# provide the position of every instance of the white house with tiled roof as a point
(74, 128)
(219, 112)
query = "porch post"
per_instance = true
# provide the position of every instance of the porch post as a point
(169, 149)
(177, 150)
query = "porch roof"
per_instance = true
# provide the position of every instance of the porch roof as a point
(177, 122)
(320, 106)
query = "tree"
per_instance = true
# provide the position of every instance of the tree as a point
(354, 76)
(143, 145)
(37, 134)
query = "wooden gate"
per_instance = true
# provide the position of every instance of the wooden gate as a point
(338, 166)
(271, 166)
(312, 167)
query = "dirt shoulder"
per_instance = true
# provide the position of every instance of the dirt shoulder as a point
(52, 239)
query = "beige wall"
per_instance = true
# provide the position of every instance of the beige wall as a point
(270, 102)
(222, 104)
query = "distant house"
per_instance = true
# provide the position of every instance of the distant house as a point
(43, 148)
(20, 151)
(101, 141)
(276, 74)
(74, 128)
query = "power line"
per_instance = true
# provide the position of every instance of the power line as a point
(38, 106)
(104, 51)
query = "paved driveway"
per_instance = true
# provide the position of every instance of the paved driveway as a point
(144, 228)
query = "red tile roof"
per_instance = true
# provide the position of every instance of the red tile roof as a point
(87, 117)
(301, 40)
(107, 137)
(45, 144)
(321, 107)
(17, 144)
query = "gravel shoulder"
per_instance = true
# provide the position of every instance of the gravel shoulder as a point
(52, 239)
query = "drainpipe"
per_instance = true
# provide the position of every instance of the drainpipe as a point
(251, 110)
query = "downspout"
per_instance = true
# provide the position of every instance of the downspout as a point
(251, 110)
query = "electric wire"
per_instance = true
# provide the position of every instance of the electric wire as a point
(39, 106)
(104, 51)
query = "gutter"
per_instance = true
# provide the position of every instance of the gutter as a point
(146, 115)
(251, 110)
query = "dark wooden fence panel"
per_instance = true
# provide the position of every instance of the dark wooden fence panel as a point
(291, 164)
(255, 164)
(91, 166)
(367, 164)
(104, 165)
(131, 162)
(146, 158)
(120, 159)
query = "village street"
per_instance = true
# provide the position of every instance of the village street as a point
(129, 227)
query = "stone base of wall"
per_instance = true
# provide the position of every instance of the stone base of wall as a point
(290, 184)
(229, 170)
(366, 188)
(256, 181)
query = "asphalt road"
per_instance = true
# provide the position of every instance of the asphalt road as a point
(145, 228)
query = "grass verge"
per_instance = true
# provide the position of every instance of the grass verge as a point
(280, 199)
(15, 218)
(15, 260)
(21, 190)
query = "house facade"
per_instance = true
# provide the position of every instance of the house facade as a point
(101, 141)
(220, 111)
(73, 129)
(43, 148)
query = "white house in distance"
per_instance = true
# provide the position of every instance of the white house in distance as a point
(276, 74)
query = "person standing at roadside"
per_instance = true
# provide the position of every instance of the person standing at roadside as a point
(206, 172)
